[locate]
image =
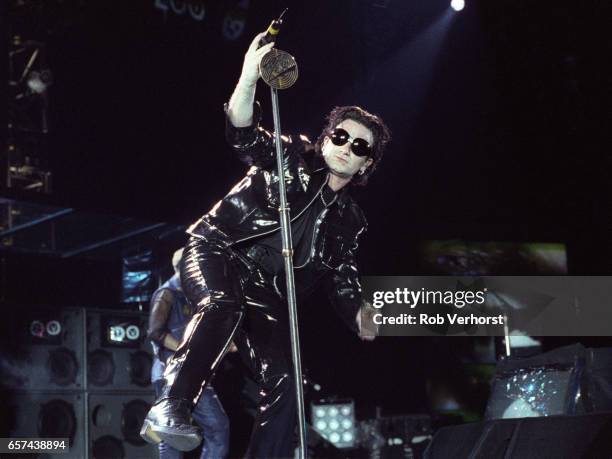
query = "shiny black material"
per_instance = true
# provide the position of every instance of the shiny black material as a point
(359, 146)
(250, 210)
(237, 300)
(169, 421)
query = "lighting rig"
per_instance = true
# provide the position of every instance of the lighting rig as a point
(25, 162)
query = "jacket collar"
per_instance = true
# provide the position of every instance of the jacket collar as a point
(318, 176)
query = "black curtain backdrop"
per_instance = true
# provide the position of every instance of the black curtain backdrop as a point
(499, 114)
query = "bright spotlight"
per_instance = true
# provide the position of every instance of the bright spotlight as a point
(335, 438)
(335, 421)
(457, 5)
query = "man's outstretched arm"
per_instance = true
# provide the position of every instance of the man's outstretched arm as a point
(240, 107)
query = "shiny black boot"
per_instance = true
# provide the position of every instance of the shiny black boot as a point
(191, 367)
(169, 420)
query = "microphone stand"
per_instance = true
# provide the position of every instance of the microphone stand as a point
(287, 252)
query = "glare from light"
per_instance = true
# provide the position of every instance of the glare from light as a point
(336, 423)
(117, 333)
(520, 408)
(38, 82)
(457, 5)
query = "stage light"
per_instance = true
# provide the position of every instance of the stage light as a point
(457, 5)
(38, 82)
(520, 390)
(335, 421)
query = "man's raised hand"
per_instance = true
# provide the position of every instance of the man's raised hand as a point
(252, 58)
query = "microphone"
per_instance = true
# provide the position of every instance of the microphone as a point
(277, 68)
(273, 30)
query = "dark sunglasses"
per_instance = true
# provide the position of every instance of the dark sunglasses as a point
(359, 146)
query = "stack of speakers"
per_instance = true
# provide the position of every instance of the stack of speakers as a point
(80, 374)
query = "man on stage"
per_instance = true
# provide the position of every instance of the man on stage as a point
(232, 269)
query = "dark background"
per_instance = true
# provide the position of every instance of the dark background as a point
(499, 114)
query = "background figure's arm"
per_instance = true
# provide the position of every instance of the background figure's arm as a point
(161, 303)
(170, 342)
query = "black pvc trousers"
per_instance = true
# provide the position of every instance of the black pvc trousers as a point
(236, 301)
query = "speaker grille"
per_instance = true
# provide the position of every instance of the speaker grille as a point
(57, 420)
(100, 368)
(108, 447)
(132, 418)
(140, 368)
(62, 367)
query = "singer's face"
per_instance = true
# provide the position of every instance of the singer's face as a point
(340, 159)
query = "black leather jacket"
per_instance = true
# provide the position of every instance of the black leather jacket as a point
(250, 209)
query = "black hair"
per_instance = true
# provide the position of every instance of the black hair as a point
(380, 131)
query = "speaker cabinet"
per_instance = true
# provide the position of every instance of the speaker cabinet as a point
(561, 437)
(46, 351)
(118, 356)
(48, 415)
(114, 424)
(79, 374)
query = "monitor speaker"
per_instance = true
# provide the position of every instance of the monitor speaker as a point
(560, 437)
(114, 424)
(118, 355)
(48, 415)
(45, 351)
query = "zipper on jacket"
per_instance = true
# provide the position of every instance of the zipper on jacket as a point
(290, 221)
(312, 241)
